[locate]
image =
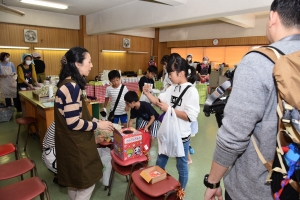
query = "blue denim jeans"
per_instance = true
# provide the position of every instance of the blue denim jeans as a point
(181, 164)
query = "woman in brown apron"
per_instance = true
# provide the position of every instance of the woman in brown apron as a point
(78, 162)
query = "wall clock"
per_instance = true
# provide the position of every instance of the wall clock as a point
(126, 42)
(215, 42)
(30, 35)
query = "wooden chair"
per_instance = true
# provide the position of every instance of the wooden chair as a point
(124, 168)
(17, 168)
(162, 190)
(9, 148)
(30, 121)
(24, 190)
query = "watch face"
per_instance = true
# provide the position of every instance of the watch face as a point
(215, 42)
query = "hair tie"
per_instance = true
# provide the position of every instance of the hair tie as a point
(64, 60)
(189, 71)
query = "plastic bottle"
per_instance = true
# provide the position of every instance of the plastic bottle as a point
(50, 91)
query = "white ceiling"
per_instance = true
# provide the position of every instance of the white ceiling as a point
(76, 7)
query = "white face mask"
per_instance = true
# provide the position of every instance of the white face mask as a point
(189, 59)
(28, 62)
(6, 59)
(205, 62)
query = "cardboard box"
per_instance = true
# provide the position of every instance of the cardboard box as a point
(153, 174)
(128, 146)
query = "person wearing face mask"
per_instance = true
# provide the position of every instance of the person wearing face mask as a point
(166, 81)
(189, 59)
(26, 76)
(204, 70)
(8, 75)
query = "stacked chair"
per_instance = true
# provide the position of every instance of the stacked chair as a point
(25, 189)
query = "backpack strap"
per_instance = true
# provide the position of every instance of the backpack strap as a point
(268, 164)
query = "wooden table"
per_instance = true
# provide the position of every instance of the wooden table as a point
(44, 115)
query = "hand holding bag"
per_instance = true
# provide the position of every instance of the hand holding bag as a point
(161, 116)
(111, 115)
(169, 136)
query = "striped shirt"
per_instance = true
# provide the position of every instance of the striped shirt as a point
(69, 103)
(48, 141)
(113, 94)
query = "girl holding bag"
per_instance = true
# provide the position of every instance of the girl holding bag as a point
(187, 109)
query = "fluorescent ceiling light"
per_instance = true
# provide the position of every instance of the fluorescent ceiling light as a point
(51, 49)
(13, 47)
(44, 3)
(114, 51)
(141, 52)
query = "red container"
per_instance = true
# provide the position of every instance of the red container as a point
(128, 145)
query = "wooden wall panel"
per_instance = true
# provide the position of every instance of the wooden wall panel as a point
(233, 55)
(240, 41)
(196, 52)
(162, 50)
(230, 55)
(215, 54)
(123, 61)
(13, 35)
(52, 60)
(181, 51)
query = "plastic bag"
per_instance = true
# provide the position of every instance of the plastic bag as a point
(169, 136)
(49, 158)
(106, 162)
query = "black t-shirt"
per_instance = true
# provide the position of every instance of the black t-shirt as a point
(145, 111)
(39, 66)
(203, 71)
(144, 80)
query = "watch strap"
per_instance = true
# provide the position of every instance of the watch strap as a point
(210, 185)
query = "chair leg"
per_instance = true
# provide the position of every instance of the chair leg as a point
(16, 153)
(26, 137)
(46, 190)
(126, 178)
(18, 134)
(111, 178)
(128, 194)
(169, 194)
(42, 196)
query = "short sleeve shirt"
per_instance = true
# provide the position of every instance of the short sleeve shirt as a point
(145, 111)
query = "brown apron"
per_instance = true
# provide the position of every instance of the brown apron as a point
(78, 161)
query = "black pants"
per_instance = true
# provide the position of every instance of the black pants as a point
(227, 197)
(8, 101)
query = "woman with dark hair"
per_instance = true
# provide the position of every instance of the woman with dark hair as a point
(78, 162)
(26, 76)
(182, 76)
(8, 76)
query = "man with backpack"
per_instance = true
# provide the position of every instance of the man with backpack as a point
(251, 111)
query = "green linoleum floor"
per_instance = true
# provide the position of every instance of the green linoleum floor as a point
(203, 144)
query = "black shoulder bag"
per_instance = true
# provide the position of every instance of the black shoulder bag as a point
(111, 115)
(161, 117)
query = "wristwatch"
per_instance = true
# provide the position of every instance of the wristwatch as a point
(210, 185)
